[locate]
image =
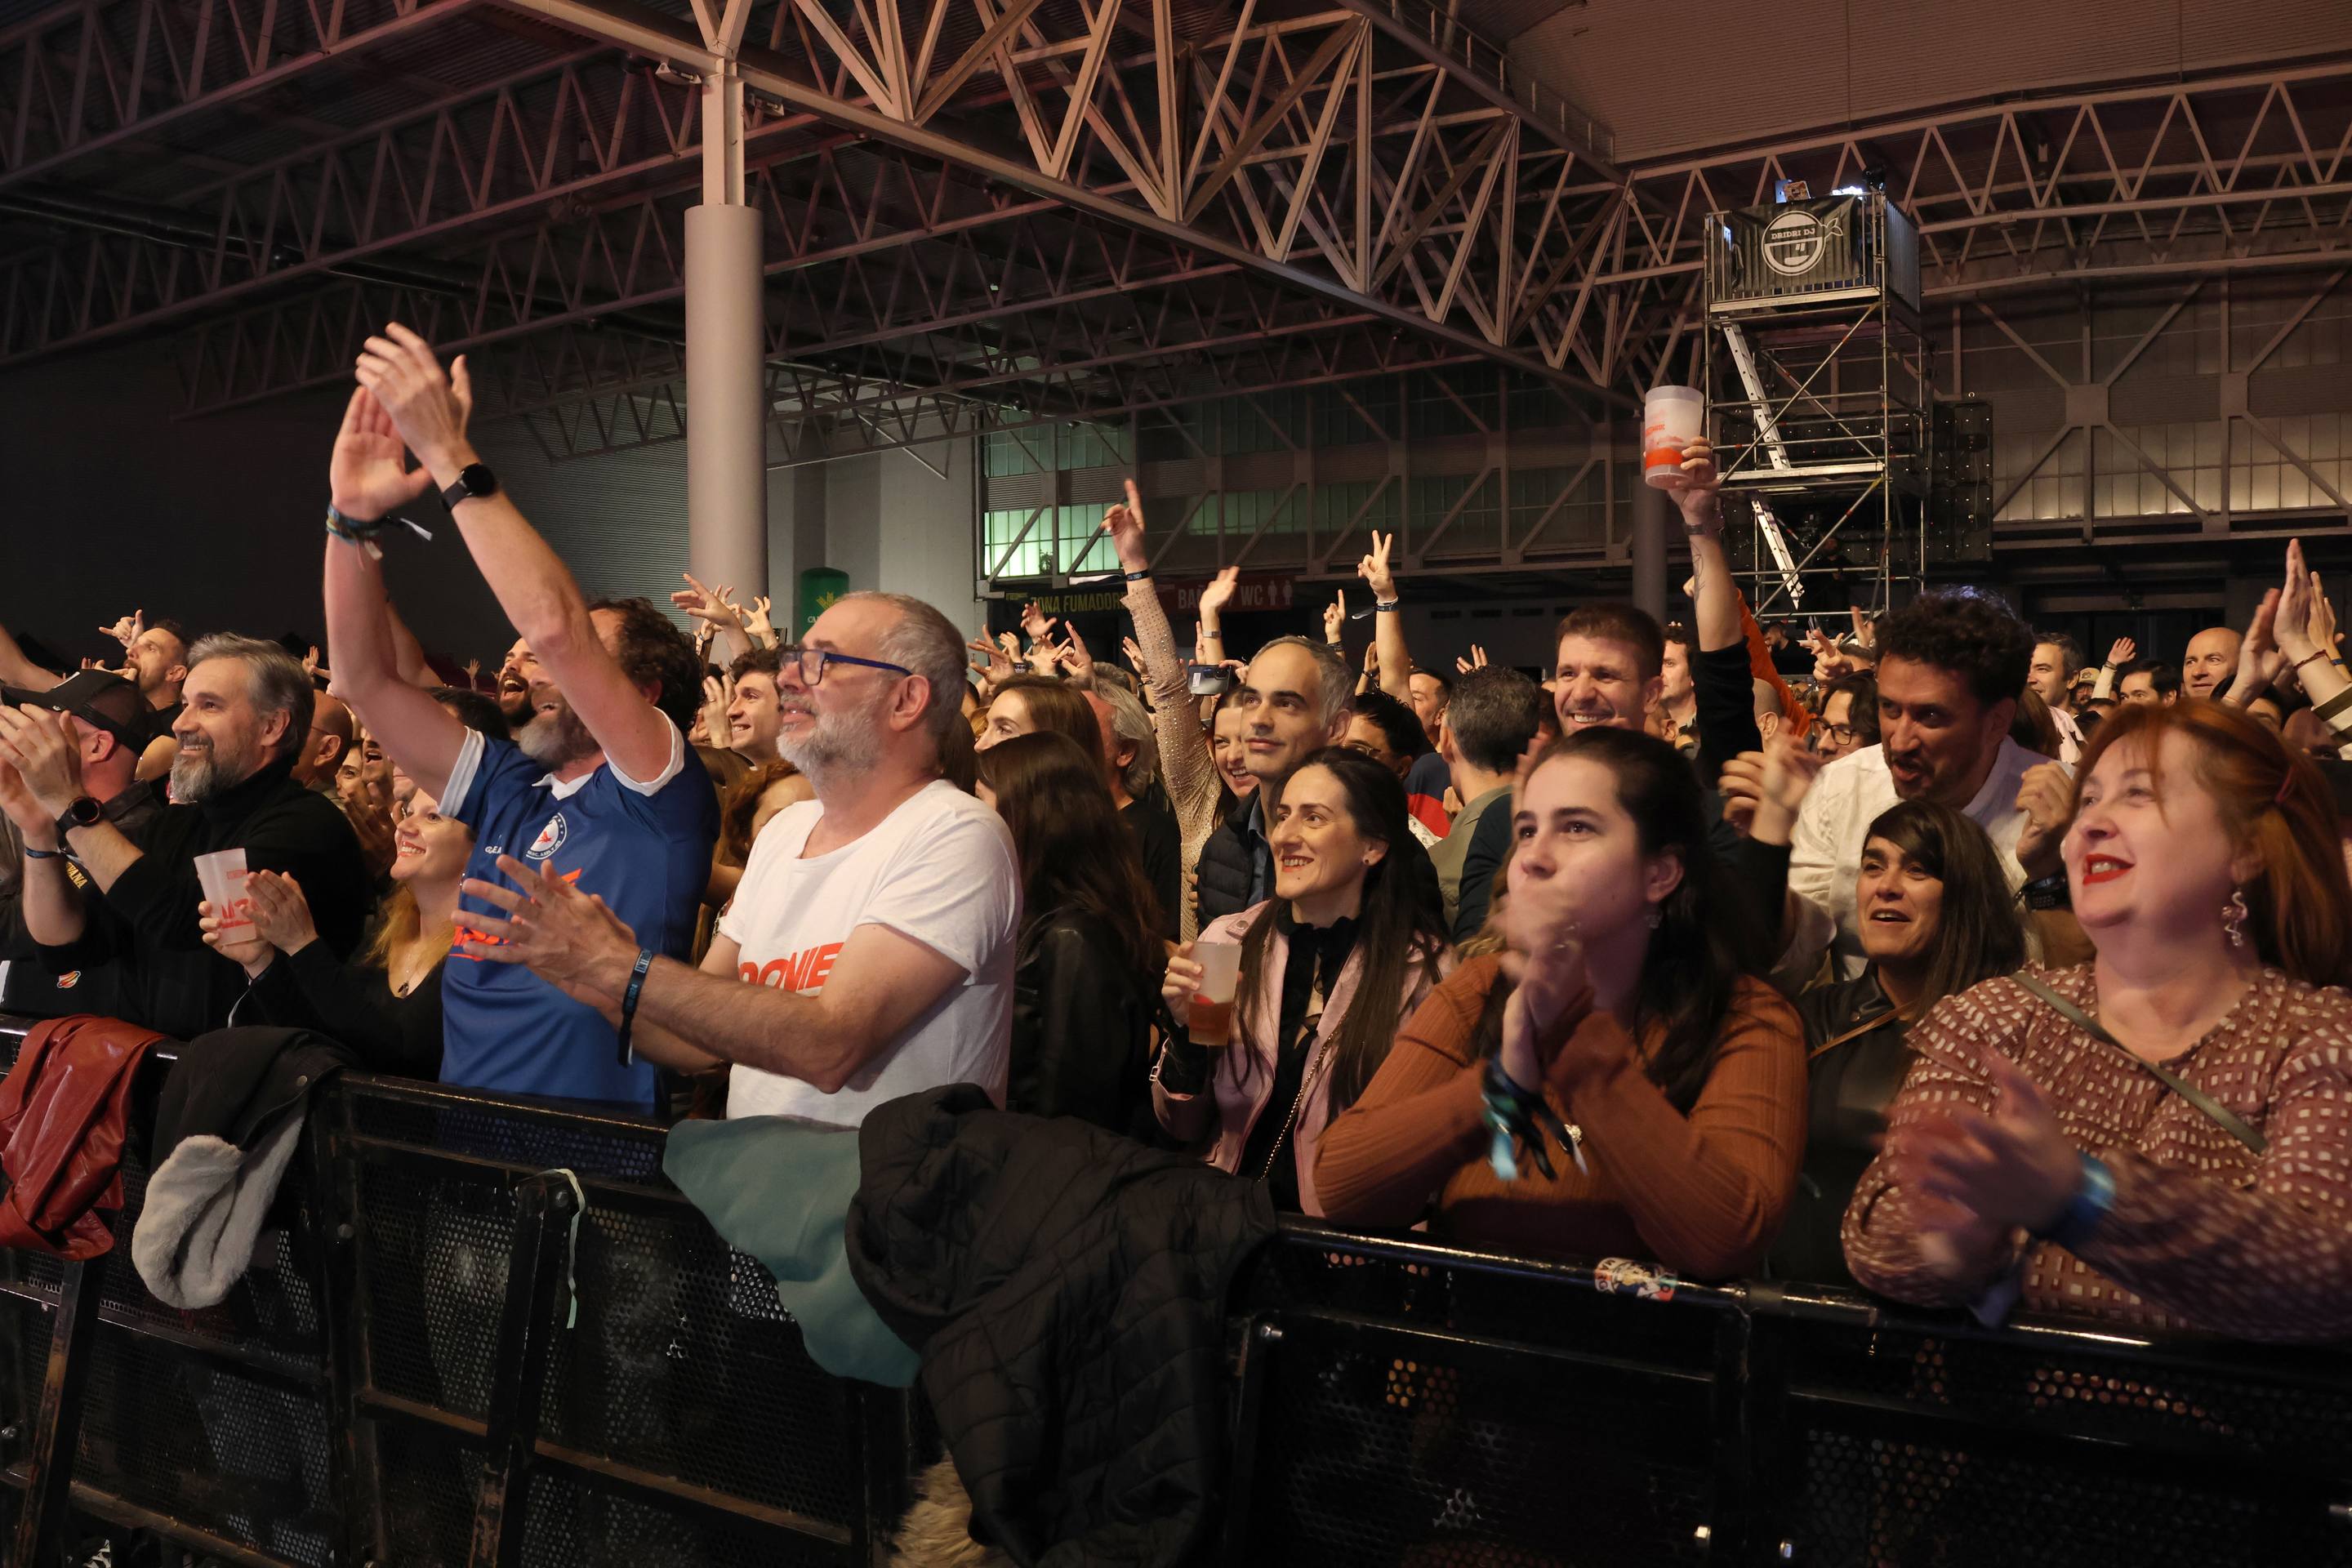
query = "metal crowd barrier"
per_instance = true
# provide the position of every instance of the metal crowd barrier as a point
(395, 1383)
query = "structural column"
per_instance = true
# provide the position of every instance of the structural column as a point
(725, 346)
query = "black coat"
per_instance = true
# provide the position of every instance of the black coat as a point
(1227, 862)
(1853, 1082)
(1067, 1291)
(1081, 1028)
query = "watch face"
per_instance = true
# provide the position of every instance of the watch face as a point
(478, 479)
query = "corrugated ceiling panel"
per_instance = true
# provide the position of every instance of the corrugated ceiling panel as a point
(1769, 70)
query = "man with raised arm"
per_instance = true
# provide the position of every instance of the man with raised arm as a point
(868, 951)
(596, 788)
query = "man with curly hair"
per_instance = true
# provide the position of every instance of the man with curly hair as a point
(1951, 666)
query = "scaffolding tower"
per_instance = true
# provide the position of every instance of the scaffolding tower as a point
(1820, 387)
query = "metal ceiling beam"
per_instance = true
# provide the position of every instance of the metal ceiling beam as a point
(94, 75)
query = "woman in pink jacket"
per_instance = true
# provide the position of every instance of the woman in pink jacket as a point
(1349, 944)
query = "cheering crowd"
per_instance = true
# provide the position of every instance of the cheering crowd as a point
(1947, 966)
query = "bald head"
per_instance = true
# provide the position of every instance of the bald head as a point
(322, 749)
(2210, 663)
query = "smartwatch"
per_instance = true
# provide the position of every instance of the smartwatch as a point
(85, 812)
(475, 480)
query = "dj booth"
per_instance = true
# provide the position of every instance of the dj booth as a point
(400, 1380)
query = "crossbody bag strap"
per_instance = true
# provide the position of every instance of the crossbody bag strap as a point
(2229, 1121)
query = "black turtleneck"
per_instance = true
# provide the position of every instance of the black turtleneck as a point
(146, 922)
(1316, 955)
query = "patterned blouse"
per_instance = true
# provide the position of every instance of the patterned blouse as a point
(2204, 1234)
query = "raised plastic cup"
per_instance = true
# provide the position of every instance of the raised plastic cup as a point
(1670, 422)
(222, 875)
(1210, 1020)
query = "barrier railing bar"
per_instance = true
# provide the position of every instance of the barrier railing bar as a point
(631, 1197)
(1391, 1249)
(262, 1360)
(353, 1469)
(573, 1115)
(1363, 1325)
(121, 1511)
(1260, 1342)
(673, 1488)
(56, 1425)
(536, 1287)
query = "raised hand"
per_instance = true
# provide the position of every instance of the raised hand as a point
(1865, 634)
(370, 821)
(2122, 652)
(718, 696)
(1374, 568)
(1073, 655)
(1478, 660)
(2046, 796)
(756, 622)
(1134, 651)
(429, 407)
(1335, 617)
(474, 674)
(1038, 623)
(45, 749)
(1702, 486)
(368, 474)
(2259, 658)
(1219, 594)
(310, 660)
(1829, 662)
(1762, 791)
(713, 606)
(126, 631)
(1124, 523)
(997, 668)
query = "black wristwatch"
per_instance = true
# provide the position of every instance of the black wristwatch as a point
(2051, 892)
(85, 812)
(475, 480)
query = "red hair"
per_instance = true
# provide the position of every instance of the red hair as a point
(2271, 801)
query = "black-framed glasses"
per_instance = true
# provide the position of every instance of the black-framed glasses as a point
(1840, 734)
(813, 661)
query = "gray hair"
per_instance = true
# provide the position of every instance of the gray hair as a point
(1131, 723)
(926, 643)
(274, 682)
(1336, 683)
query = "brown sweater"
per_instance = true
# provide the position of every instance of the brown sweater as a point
(2203, 1233)
(1701, 1194)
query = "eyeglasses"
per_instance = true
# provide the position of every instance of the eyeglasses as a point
(1839, 734)
(813, 661)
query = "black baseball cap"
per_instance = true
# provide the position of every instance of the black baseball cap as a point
(97, 697)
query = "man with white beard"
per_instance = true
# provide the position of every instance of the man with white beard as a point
(597, 787)
(869, 951)
(246, 710)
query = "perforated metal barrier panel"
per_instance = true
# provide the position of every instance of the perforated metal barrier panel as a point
(394, 1383)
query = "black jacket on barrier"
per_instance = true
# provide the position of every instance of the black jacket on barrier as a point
(1067, 1290)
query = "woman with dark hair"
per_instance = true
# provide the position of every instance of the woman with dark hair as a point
(1937, 917)
(1349, 944)
(2162, 1137)
(1028, 703)
(1088, 959)
(1629, 1009)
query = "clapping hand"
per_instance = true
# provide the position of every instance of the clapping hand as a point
(2046, 796)
(2014, 1167)
(368, 474)
(428, 407)
(2259, 658)
(567, 938)
(280, 914)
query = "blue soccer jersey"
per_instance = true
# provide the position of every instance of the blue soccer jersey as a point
(644, 849)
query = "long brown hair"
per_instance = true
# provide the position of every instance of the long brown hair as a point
(1978, 934)
(1073, 850)
(2271, 801)
(1399, 925)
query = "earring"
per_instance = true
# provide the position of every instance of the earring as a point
(2233, 917)
(1657, 917)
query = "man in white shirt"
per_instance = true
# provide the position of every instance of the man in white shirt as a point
(1951, 667)
(868, 951)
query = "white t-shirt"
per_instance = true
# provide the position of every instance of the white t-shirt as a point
(940, 869)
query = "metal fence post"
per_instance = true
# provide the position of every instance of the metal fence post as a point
(536, 1278)
(57, 1426)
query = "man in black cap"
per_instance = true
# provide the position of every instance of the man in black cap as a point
(110, 717)
(248, 706)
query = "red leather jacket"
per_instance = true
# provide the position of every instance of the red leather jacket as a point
(64, 1115)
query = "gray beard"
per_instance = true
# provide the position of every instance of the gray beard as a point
(556, 740)
(837, 745)
(200, 778)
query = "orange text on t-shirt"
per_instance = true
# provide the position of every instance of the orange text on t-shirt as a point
(804, 971)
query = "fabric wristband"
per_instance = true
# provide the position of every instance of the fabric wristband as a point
(33, 853)
(2087, 1209)
(2325, 713)
(1384, 605)
(629, 1000)
(1142, 576)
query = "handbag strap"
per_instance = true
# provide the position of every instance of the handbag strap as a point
(2229, 1121)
